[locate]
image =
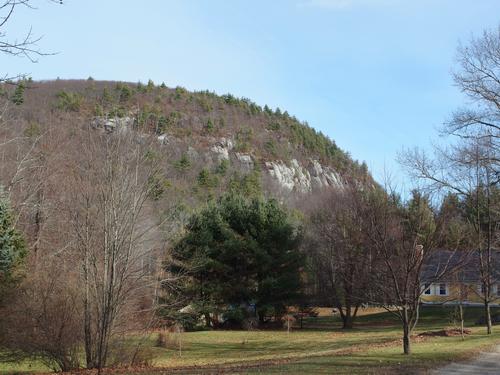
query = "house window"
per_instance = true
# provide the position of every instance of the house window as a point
(481, 289)
(442, 289)
(427, 289)
(498, 290)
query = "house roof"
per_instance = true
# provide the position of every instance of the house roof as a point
(459, 265)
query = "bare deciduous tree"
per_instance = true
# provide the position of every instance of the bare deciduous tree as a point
(478, 78)
(470, 167)
(341, 251)
(403, 236)
(112, 234)
(42, 321)
(466, 170)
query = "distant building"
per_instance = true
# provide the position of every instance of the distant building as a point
(461, 282)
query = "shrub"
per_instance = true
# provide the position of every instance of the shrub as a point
(244, 137)
(274, 126)
(98, 110)
(124, 354)
(169, 339)
(270, 146)
(69, 101)
(125, 92)
(255, 109)
(204, 104)
(157, 187)
(140, 87)
(162, 124)
(221, 169)
(180, 92)
(209, 127)
(32, 130)
(205, 179)
(106, 97)
(234, 317)
(183, 164)
(44, 322)
(119, 112)
(230, 99)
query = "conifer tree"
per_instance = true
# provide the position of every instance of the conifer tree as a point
(12, 246)
(18, 96)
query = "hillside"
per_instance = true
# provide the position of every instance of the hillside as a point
(211, 141)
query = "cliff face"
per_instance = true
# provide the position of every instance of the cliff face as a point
(304, 179)
(207, 137)
(291, 176)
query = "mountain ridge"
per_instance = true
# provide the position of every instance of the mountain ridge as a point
(205, 132)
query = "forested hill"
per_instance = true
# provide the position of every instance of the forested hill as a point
(213, 141)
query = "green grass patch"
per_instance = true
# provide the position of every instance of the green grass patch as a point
(23, 367)
(374, 345)
(429, 354)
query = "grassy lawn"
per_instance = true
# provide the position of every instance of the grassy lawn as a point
(321, 347)
(25, 367)
(388, 359)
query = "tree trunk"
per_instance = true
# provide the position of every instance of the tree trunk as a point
(347, 320)
(262, 317)
(207, 319)
(461, 311)
(406, 332)
(406, 339)
(487, 316)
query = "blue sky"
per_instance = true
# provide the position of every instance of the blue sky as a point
(374, 75)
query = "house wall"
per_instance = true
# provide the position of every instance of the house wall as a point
(456, 292)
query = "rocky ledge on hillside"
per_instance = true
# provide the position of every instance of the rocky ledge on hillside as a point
(295, 177)
(291, 176)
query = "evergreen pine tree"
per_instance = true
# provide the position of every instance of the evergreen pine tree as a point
(12, 246)
(18, 96)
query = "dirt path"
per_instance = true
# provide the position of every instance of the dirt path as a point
(485, 363)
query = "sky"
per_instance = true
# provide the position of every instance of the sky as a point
(373, 75)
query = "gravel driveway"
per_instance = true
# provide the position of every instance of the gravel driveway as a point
(485, 363)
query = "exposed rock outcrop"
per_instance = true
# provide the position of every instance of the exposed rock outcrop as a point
(297, 178)
(290, 177)
(113, 124)
(222, 148)
(245, 160)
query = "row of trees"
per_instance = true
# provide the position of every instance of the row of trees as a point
(91, 230)
(369, 247)
(358, 233)
(372, 248)
(241, 259)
